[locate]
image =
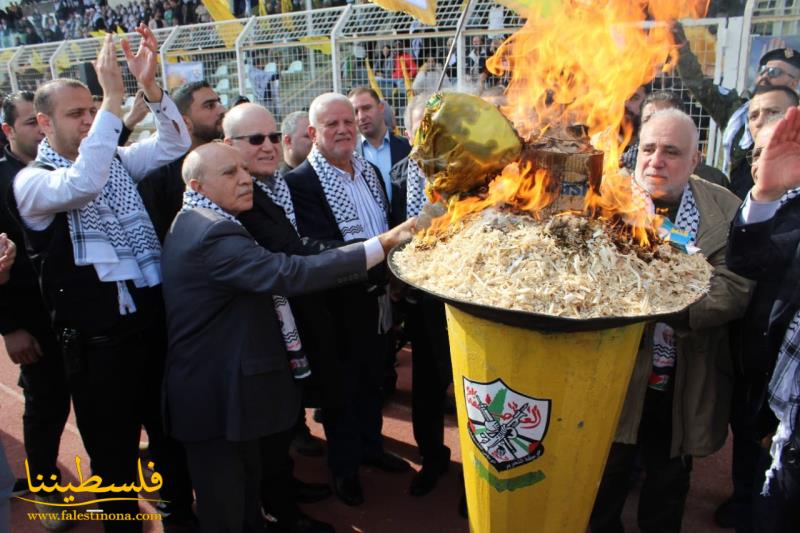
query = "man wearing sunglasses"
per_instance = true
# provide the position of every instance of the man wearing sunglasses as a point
(251, 129)
(779, 67)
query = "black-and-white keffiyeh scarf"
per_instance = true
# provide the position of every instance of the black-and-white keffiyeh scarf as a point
(346, 214)
(665, 351)
(278, 191)
(344, 211)
(291, 338)
(113, 232)
(415, 189)
(784, 385)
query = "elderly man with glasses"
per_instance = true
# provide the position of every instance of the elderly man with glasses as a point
(779, 67)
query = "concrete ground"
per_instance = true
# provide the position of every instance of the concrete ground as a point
(388, 507)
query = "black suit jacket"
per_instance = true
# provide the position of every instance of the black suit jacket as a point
(227, 373)
(268, 224)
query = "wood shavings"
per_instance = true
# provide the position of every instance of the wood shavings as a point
(569, 266)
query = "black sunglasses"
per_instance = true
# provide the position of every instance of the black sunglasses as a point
(773, 72)
(257, 139)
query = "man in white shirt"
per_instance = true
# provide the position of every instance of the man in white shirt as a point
(98, 260)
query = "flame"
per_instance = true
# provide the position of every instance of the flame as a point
(578, 66)
(523, 189)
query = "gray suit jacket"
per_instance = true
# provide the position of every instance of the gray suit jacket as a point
(227, 372)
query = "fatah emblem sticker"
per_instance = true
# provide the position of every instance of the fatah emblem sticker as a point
(507, 427)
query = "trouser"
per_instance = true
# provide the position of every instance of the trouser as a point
(745, 402)
(354, 428)
(44, 386)
(115, 385)
(431, 375)
(227, 477)
(779, 511)
(277, 494)
(666, 485)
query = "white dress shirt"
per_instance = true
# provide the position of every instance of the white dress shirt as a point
(41, 193)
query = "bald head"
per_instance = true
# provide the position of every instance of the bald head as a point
(252, 131)
(218, 172)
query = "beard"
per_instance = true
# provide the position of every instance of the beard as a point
(207, 133)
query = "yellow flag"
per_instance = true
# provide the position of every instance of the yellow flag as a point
(37, 64)
(75, 49)
(286, 7)
(406, 78)
(262, 8)
(62, 62)
(219, 11)
(313, 42)
(522, 7)
(422, 10)
(372, 81)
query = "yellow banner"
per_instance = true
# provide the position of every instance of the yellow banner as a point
(372, 81)
(522, 7)
(37, 64)
(422, 10)
(220, 11)
(320, 45)
(406, 78)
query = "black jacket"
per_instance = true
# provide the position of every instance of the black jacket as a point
(21, 305)
(268, 224)
(768, 252)
(162, 194)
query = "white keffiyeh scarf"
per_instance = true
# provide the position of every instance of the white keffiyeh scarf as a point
(737, 121)
(346, 214)
(113, 232)
(415, 189)
(278, 191)
(291, 338)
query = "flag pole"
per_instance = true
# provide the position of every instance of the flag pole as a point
(462, 21)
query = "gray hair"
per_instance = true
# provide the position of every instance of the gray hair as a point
(321, 102)
(289, 124)
(679, 115)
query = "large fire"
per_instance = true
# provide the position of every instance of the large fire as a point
(578, 66)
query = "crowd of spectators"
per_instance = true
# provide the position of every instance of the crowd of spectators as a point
(77, 19)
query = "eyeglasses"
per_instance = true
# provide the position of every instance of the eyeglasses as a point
(773, 72)
(257, 139)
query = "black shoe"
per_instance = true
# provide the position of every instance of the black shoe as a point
(388, 462)
(302, 523)
(348, 489)
(425, 480)
(305, 444)
(725, 514)
(20, 487)
(310, 492)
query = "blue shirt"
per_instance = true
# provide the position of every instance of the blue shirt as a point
(381, 157)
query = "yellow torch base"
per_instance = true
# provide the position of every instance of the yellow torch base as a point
(536, 415)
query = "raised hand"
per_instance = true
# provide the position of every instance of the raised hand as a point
(109, 76)
(778, 167)
(142, 65)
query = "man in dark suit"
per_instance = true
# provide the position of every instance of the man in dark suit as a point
(377, 144)
(383, 149)
(24, 323)
(339, 196)
(251, 129)
(426, 325)
(764, 245)
(228, 382)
